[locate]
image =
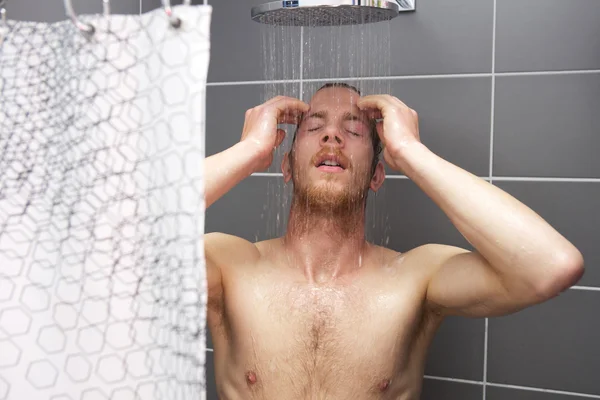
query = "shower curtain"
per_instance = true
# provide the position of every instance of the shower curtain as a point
(102, 277)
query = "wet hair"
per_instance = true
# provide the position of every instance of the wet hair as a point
(375, 139)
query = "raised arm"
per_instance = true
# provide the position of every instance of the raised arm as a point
(254, 152)
(520, 260)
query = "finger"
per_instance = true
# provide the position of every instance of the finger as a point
(396, 101)
(289, 110)
(374, 114)
(374, 102)
(280, 137)
(382, 103)
(290, 117)
(289, 103)
(246, 117)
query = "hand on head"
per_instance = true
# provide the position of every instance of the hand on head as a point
(260, 126)
(399, 128)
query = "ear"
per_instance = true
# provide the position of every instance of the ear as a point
(378, 177)
(286, 167)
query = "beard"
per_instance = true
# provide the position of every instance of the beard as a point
(329, 197)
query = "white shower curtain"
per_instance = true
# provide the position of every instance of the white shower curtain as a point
(102, 277)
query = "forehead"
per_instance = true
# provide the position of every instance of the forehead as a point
(335, 98)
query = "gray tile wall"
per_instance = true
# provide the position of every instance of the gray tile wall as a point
(507, 89)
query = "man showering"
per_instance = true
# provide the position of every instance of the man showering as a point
(321, 313)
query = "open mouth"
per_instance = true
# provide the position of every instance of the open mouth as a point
(330, 163)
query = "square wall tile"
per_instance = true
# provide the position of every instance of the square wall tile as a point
(443, 37)
(401, 216)
(225, 115)
(501, 393)
(547, 126)
(348, 51)
(457, 350)
(572, 209)
(454, 115)
(440, 37)
(256, 209)
(244, 50)
(542, 35)
(444, 390)
(553, 345)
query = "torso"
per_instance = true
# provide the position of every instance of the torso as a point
(363, 336)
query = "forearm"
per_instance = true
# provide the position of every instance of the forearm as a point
(225, 170)
(514, 240)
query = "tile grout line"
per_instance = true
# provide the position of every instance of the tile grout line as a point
(491, 180)
(544, 179)
(516, 387)
(546, 73)
(585, 288)
(487, 178)
(541, 390)
(301, 72)
(457, 380)
(414, 77)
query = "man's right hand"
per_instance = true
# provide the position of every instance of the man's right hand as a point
(260, 127)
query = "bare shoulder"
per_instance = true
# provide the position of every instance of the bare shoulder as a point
(428, 258)
(422, 260)
(223, 250)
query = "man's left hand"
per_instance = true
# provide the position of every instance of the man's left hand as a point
(399, 129)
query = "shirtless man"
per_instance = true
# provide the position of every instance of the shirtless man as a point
(321, 313)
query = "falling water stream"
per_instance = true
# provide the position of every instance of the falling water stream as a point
(296, 62)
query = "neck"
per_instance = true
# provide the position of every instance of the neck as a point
(325, 243)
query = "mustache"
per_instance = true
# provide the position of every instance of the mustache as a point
(332, 152)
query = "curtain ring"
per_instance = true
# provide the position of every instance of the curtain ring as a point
(173, 20)
(87, 30)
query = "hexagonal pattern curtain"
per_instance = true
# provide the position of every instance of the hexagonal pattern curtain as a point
(102, 277)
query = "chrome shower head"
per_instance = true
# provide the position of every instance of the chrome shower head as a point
(329, 12)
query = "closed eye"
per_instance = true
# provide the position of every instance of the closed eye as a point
(314, 129)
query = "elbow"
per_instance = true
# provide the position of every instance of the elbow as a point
(566, 270)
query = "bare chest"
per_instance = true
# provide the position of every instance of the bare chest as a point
(315, 339)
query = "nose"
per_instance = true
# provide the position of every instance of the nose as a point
(332, 136)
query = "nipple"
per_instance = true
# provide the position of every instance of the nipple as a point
(250, 378)
(384, 384)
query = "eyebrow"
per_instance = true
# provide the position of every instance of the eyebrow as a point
(348, 116)
(318, 114)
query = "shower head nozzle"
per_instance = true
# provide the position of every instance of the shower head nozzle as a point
(329, 12)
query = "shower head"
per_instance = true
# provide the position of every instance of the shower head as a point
(329, 12)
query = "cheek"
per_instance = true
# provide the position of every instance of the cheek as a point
(361, 154)
(304, 150)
